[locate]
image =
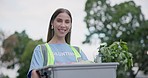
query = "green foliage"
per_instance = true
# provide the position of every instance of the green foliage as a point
(123, 21)
(23, 41)
(26, 58)
(13, 47)
(110, 22)
(117, 52)
(18, 49)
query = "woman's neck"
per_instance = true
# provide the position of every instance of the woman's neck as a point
(56, 40)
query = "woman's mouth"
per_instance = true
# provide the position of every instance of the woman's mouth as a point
(62, 30)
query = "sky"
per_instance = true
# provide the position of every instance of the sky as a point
(34, 15)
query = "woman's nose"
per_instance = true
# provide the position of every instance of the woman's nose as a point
(63, 24)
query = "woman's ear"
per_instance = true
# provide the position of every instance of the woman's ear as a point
(51, 25)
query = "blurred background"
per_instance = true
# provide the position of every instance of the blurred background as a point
(24, 24)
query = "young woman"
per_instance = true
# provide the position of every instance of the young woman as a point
(58, 40)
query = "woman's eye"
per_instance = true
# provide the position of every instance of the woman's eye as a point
(59, 20)
(67, 21)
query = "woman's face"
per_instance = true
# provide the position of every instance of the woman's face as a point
(62, 25)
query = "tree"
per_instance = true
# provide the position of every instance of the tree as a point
(18, 49)
(14, 46)
(26, 58)
(1, 40)
(2, 36)
(125, 22)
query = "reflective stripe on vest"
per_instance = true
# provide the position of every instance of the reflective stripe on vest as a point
(50, 54)
(50, 60)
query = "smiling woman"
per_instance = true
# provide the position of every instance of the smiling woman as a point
(57, 50)
(60, 23)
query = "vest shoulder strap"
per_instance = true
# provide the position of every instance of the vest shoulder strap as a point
(77, 48)
(44, 54)
(79, 51)
(50, 58)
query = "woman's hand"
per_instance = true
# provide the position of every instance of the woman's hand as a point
(34, 74)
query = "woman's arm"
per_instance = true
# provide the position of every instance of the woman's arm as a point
(34, 74)
(36, 62)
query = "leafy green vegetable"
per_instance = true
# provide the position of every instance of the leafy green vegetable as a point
(117, 52)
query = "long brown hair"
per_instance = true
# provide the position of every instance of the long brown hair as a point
(51, 31)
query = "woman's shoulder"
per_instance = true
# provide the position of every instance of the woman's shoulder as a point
(37, 48)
